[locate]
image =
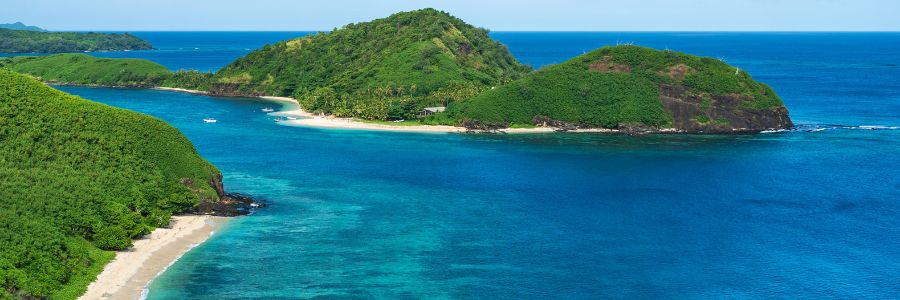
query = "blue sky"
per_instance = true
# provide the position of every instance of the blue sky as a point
(582, 15)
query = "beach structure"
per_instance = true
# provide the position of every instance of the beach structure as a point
(430, 111)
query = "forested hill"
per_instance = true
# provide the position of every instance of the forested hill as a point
(20, 26)
(632, 88)
(83, 69)
(79, 177)
(387, 68)
(24, 41)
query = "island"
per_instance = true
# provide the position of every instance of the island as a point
(426, 70)
(20, 26)
(81, 179)
(386, 69)
(631, 89)
(30, 41)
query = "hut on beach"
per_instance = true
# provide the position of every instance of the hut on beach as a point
(430, 111)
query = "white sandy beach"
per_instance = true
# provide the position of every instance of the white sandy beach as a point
(291, 108)
(131, 271)
(346, 123)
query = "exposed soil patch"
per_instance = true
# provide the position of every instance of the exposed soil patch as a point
(606, 64)
(677, 72)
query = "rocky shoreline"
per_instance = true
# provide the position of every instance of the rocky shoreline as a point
(230, 205)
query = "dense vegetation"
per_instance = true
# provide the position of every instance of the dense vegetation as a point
(383, 69)
(78, 178)
(25, 41)
(391, 68)
(616, 86)
(88, 70)
(20, 26)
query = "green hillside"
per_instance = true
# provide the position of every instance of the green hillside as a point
(25, 41)
(86, 69)
(78, 178)
(89, 70)
(631, 87)
(387, 68)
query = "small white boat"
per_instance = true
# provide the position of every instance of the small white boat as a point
(210, 120)
(268, 109)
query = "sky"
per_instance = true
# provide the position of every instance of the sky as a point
(502, 15)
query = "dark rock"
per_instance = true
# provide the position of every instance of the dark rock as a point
(545, 121)
(230, 205)
(720, 113)
(635, 129)
(478, 126)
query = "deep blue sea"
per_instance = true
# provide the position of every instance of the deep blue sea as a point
(356, 214)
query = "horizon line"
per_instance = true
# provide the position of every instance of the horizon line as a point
(521, 31)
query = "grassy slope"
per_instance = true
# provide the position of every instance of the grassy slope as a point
(86, 69)
(418, 52)
(23, 41)
(606, 97)
(79, 177)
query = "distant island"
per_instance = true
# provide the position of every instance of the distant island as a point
(20, 26)
(427, 67)
(83, 69)
(81, 178)
(27, 41)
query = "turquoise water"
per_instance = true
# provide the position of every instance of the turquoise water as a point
(358, 214)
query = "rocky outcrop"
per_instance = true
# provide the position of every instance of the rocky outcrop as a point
(703, 113)
(230, 205)
(224, 204)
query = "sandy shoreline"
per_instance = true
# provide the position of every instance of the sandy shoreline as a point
(132, 270)
(346, 123)
(291, 108)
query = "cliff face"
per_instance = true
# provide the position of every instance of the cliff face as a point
(632, 88)
(724, 113)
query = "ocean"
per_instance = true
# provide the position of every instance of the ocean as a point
(810, 213)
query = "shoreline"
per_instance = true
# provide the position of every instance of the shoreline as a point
(291, 108)
(351, 124)
(131, 272)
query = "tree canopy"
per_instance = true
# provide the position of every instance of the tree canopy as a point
(27, 41)
(78, 178)
(386, 68)
(629, 85)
